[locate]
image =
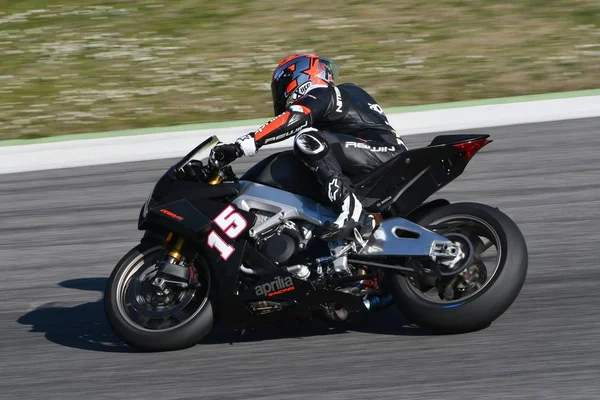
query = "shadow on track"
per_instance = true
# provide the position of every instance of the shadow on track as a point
(386, 322)
(85, 327)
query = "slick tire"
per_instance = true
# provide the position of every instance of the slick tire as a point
(482, 308)
(138, 337)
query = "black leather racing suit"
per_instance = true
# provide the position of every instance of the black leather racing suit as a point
(340, 131)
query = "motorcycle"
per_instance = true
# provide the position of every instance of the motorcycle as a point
(246, 251)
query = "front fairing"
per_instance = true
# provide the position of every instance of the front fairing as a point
(173, 180)
(169, 189)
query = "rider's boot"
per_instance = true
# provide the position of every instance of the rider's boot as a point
(353, 224)
(351, 217)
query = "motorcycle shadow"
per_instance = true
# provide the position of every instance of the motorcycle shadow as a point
(385, 322)
(84, 326)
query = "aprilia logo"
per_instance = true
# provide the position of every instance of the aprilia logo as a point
(365, 146)
(278, 286)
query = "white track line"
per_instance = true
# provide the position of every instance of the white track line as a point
(78, 153)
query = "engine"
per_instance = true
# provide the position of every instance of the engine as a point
(282, 243)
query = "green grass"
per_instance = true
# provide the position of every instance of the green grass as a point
(84, 66)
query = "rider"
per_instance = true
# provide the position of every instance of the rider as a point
(339, 130)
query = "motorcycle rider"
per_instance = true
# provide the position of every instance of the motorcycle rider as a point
(339, 130)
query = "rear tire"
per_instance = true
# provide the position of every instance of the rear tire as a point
(483, 307)
(141, 338)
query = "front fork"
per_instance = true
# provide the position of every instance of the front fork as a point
(174, 269)
(174, 247)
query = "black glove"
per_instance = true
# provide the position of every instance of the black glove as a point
(224, 154)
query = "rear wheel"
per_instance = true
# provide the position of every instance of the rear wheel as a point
(154, 319)
(477, 296)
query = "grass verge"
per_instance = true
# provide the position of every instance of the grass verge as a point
(81, 66)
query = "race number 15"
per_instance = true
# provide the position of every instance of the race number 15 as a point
(232, 224)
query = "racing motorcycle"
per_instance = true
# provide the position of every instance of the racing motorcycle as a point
(246, 251)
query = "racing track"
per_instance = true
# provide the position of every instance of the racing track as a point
(61, 233)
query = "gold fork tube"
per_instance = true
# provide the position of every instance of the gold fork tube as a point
(215, 180)
(177, 247)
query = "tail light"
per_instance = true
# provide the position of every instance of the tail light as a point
(469, 149)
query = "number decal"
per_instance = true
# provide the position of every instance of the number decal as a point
(231, 222)
(216, 242)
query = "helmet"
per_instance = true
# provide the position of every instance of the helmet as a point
(295, 75)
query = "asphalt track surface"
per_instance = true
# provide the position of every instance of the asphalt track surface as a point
(61, 233)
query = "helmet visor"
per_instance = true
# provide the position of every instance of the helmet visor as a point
(333, 66)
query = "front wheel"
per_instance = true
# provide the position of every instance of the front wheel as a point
(477, 296)
(151, 319)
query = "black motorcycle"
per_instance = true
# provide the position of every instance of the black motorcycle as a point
(245, 251)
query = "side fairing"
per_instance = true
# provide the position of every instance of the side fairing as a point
(219, 227)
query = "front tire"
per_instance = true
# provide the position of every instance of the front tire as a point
(479, 309)
(139, 322)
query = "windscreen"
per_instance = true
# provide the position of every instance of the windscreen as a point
(200, 152)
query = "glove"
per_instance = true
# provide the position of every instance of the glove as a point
(224, 154)
(247, 144)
